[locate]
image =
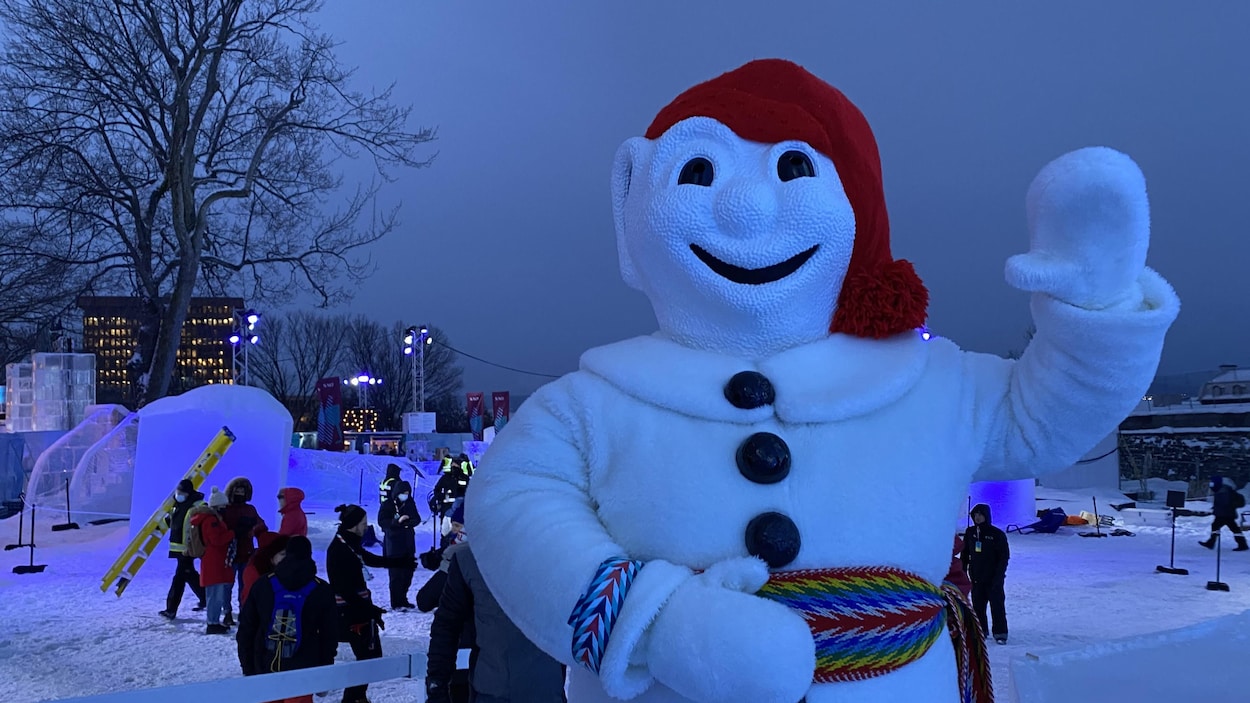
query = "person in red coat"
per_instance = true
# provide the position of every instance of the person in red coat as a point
(294, 522)
(269, 545)
(216, 573)
(957, 575)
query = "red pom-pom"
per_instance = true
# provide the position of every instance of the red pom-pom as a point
(881, 303)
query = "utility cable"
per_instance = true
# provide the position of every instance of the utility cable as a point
(491, 363)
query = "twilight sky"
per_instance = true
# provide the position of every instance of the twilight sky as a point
(968, 100)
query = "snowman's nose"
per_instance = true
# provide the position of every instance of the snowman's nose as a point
(746, 209)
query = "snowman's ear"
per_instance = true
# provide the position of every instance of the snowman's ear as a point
(629, 157)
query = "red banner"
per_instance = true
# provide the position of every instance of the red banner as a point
(330, 414)
(499, 401)
(476, 407)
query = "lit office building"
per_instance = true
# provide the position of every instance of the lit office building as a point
(111, 332)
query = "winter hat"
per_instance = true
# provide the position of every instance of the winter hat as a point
(350, 515)
(773, 100)
(266, 540)
(298, 548)
(393, 470)
(456, 514)
(185, 486)
(218, 499)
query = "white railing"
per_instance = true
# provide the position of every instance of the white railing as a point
(273, 687)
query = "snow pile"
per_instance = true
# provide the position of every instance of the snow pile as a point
(1200, 662)
(331, 478)
(63, 637)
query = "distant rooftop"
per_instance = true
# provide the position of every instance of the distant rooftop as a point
(1231, 386)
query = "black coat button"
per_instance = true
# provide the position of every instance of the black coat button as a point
(774, 538)
(764, 458)
(749, 390)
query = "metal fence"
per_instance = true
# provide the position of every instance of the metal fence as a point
(273, 687)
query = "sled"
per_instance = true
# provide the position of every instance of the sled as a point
(1050, 522)
(149, 537)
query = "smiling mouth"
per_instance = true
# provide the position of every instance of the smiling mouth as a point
(753, 277)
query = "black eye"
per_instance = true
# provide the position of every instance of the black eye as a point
(696, 172)
(794, 164)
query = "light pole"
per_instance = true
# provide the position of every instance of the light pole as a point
(362, 382)
(416, 339)
(244, 335)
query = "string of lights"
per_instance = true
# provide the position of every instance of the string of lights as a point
(491, 363)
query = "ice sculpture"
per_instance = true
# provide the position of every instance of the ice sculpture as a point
(174, 431)
(93, 462)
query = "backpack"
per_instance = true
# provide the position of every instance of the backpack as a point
(1239, 500)
(193, 545)
(285, 627)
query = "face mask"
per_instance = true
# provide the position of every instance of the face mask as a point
(238, 499)
(402, 497)
(180, 497)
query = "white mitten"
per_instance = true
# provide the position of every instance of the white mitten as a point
(1089, 229)
(715, 642)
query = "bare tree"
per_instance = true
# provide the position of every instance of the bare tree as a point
(377, 350)
(295, 351)
(173, 148)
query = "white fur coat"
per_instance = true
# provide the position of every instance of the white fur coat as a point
(633, 455)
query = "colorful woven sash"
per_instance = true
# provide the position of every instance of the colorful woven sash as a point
(870, 621)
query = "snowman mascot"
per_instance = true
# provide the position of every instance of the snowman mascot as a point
(792, 371)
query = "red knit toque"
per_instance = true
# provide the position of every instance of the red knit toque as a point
(772, 100)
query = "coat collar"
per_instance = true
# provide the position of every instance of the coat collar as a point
(836, 378)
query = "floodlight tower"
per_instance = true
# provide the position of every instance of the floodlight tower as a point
(416, 339)
(244, 335)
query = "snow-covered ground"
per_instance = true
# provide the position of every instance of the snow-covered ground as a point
(62, 637)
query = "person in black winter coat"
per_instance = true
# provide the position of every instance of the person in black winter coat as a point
(179, 522)
(318, 642)
(451, 487)
(386, 488)
(985, 559)
(430, 594)
(507, 668)
(399, 519)
(1225, 502)
(347, 567)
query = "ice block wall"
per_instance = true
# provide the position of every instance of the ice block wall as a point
(1011, 502)
(173, 432)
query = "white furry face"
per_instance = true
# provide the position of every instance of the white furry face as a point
(741, 246)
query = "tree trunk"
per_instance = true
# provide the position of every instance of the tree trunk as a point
(165, 354)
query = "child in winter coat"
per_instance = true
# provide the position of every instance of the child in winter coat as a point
(294, 521)
(268, 642)
(269, 544)
(216, 574)
(399, 519)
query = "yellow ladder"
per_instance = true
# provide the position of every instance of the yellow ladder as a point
(153, 531)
